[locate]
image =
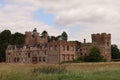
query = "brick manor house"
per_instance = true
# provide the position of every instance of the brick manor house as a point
(38, 49)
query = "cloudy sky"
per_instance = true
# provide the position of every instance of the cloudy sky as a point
(79, 18)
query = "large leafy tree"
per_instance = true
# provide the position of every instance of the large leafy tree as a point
(64, 36)
(94, 55)
(5, 38)
(115, 52)
(17, 38)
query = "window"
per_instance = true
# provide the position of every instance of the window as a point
(80, 49)
(85, 55)
(44, 59)
(67, 48)
(81, 54)
(21, 59)
(18, 59)
(28, 55)
(107, 43)
(68, 56)
(15, 60)
(39, 59)
(45, 52)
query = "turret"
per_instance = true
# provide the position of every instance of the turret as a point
(103, 40)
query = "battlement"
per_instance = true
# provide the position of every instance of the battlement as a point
(101, 35)
(101, 39)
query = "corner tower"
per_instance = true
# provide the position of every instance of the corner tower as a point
(103, 41)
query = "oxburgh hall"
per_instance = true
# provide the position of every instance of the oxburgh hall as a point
(40, 49)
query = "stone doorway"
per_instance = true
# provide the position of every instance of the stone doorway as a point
(34, 60)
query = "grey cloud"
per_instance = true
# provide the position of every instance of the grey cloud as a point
(97, 15)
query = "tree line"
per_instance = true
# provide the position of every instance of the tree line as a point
(6, 37)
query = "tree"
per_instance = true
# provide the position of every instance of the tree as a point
(44, 33)
(115, 53)
(94, 55)
(4, 40)
(64, 36)
(5, 36)
(17, 38)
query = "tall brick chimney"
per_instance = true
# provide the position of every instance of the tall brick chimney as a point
(84, 40)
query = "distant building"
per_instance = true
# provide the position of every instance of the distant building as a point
(38, 49)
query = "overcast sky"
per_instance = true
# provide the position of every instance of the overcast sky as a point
(79, 18)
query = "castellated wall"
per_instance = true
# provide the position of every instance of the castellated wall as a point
(104, 43)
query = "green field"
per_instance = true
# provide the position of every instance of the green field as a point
(77, 71)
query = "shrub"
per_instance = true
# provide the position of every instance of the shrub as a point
(49, 70)
(94, 55)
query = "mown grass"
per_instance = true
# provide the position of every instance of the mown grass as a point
(79, 71)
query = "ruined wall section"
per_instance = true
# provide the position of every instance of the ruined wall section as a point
(34, 38)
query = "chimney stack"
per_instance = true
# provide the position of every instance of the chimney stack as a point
(84, 40)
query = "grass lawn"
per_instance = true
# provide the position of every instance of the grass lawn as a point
(74, 71)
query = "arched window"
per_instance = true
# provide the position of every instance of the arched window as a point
(107, 43)
(18, 59)
(44, 59)
(67, 48)
(39, 59)
(28, 55)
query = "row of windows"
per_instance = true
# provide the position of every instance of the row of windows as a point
(40, 59)
(63, 48)
(83, 54)
(68, 48)
(83, 49)
(68, 57)
(28, 54)
(16, 59)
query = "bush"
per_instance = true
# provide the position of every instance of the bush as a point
(49, 70)
(94, 55)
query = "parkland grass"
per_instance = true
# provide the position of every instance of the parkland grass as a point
(73, 71)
